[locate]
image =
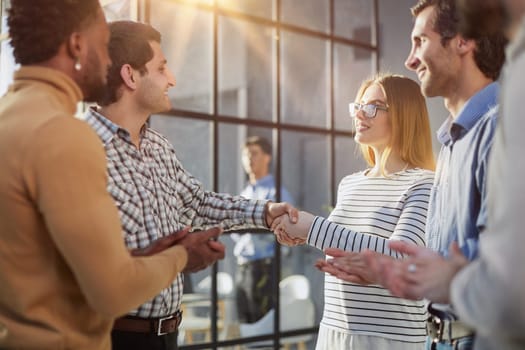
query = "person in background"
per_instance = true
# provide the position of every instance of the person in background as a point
(65, 273)
(464, 71)
(154, 193)
(255, 251)
(386, 202)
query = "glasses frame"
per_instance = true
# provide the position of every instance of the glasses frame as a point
(354, 106)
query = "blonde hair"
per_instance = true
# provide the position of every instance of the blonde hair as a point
(408, 119)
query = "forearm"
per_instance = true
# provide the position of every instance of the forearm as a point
(326, 234)
(228, 212)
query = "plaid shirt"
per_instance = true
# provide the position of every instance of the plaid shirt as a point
(156, 196)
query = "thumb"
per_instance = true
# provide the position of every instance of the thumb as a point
(455, 251)
(211, 233)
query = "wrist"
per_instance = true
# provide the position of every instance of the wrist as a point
(266, 211)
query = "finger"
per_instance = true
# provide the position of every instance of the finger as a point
(404, 247)
(335, 252)
(276, 224)
(216, 246)
(211, 233)
(293, 213)
(455, 251)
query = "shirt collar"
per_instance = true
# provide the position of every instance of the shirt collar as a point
(107, 129)
(265, 181)
(477, 106)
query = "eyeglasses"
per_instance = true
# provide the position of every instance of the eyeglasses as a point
(369, 110)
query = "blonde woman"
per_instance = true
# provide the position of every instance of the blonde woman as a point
(387, 201)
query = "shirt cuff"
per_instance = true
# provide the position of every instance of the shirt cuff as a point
(255, 213)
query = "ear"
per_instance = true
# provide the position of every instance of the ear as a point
(128, 75)
(75, 46)
(465, 46)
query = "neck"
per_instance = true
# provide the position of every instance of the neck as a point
(469, 84)
(393, 164)
(254, 177)
(126, 116)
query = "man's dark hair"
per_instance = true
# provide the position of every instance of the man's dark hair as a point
(490, 49)
(478, 18)
(261, 142)
(38, 28)
(129, 43)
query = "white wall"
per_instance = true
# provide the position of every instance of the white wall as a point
(394, 40)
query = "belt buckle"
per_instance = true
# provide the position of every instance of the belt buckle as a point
(159, 327)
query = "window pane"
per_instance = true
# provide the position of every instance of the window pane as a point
(306, 174)
(311, 14)
(187, 44)
(353, 19)
(192, 142)
(348, 158)
(350, 70)
(250, 255)
(120, 10)
(246, 67)
(304, 80)
(261, 8)
(197, 307)
(7, 60)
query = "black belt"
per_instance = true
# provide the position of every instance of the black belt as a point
(158, 326)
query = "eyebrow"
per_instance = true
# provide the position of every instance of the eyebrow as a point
(376, 101)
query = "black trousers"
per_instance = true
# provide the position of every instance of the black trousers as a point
(254, 294)
(143, 341)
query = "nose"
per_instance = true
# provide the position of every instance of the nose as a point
(412, 62)
(360, 114)
(171, 78)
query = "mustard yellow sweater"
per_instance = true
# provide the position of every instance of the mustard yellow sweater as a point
(65, 273)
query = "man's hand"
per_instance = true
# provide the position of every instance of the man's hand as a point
(203, 249)
(274, 210)
(161, 243)
(352, 267)
(424, 274)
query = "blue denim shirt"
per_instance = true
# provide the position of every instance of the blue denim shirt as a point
(251, 247)
(458, 206)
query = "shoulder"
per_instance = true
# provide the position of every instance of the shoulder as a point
(420, 178)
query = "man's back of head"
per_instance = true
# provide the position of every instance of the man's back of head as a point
(67, 35)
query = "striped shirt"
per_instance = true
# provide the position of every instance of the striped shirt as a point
(156, 196)
(369, 212)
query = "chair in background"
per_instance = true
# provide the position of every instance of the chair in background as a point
(297, 311)
(196, 308)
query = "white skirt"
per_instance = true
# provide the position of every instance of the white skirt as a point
(330, 339)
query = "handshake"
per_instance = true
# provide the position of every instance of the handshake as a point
(292, 232)
(290, 227)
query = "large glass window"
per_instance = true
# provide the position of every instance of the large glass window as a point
(281, 69)
(284, 70)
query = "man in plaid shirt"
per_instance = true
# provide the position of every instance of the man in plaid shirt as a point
(155, 195)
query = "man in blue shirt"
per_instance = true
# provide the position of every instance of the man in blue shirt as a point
(463, 71)
(255, 251)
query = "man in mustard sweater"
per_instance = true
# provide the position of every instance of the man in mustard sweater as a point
(65, 273)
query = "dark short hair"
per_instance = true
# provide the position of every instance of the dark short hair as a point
(490, 49)
(129, 43)
(478, 18)
(38, 28)
(261, 142)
